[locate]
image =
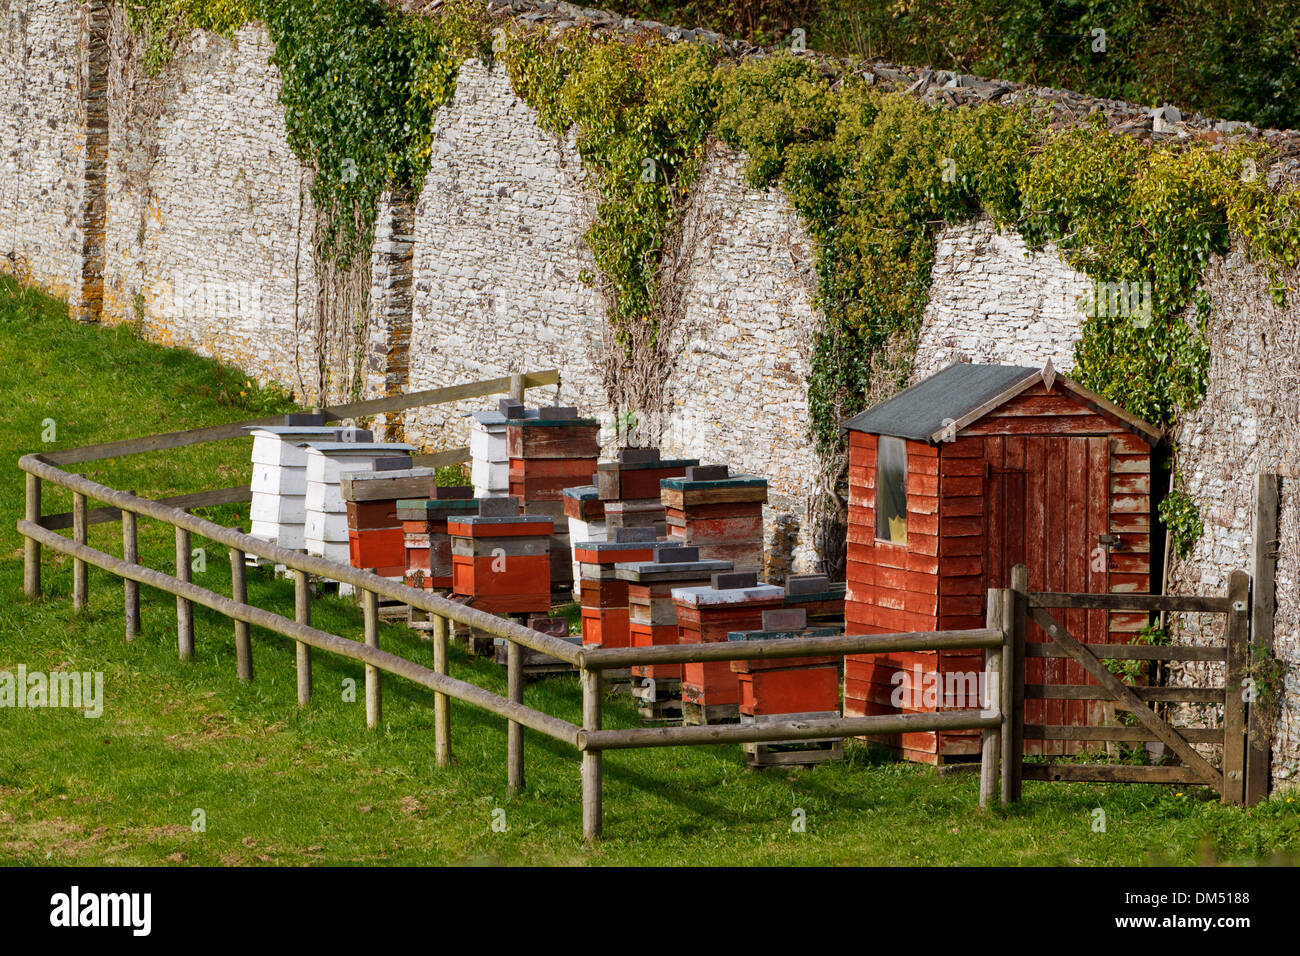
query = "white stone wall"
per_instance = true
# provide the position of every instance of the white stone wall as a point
(214, 231)
(42, 143)
(1249, 423)
(498, 253)
(994, 300)
(736, 390)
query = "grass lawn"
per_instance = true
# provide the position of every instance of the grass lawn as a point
(280, 786)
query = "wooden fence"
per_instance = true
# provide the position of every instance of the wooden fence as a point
(589, 739)
(1228, 779)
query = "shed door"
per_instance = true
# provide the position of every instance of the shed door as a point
(1004, 540)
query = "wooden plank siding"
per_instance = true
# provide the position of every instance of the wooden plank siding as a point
(1039, 479)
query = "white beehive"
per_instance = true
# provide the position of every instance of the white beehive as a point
(489, 455)
(326, 525)
(278, 509)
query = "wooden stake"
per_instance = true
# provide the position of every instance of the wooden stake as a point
(31, 547)
(302, 614)
(130, 589)
(184, 609)
(1263, 610)
(80, 579)
(517, 387)
(1237, 637)
(591, 759)
(514, 731)
(1007, 696)
(1013, 761)
(374, 693)
(239, 592)
(991, 738)
(441, 705)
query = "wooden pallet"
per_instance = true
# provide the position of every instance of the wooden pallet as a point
(792, 753)
(535, 664)
(694, 715)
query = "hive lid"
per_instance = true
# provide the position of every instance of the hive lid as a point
(289, 431)
(358, 447)
(582, 492)
(782, 635)
(641, 465)
(709, 596)
(735, 481)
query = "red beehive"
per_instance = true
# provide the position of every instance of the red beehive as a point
(719, 513)
(790, 685)
(636, 473)
(552, 449)
(425, 539)
(651, 611)
(951, 484)
(706, 615)
(370, 500)
(502, 560)
(604, 594)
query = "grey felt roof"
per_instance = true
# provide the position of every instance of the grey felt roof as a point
(925, 408)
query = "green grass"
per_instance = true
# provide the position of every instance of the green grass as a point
(281, 786)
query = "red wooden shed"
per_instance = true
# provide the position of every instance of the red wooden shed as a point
(953, 482)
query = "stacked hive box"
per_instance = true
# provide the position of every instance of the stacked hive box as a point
(719, 513)
(326, 529)
(652, 616)
(278, 510)
(603, 593)
(706, 615)
(784, 688)
(490, 453)
(374, 529)
(820, 600)
(424, 534)
(629, 486)
(551, 449)
(500, 559)
(586, 514)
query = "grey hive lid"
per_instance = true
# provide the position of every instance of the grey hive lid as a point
(923, 411)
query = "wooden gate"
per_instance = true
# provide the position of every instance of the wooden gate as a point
(1192, 766)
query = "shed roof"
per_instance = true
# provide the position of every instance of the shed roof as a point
(953, 397)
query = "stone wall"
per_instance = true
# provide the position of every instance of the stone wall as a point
(499, 260)
(209, 221)
(42, 143)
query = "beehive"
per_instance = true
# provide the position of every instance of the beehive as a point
(552, 449)
(951, 484)
(717, 512)
(706, 615)
(652, 615)
(489, 454)
(326, 526)
(425, 540)
(278, 509)
(500, 560)
(629, 486)
(585, 513)
(603, 593)
(374, 529)
(791, 685)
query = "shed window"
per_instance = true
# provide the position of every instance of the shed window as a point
(891, 490)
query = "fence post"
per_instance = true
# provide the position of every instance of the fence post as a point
(32, 547)
(1013, 760)
(514, 731)
(1237, 636)
(991, 697)
(239, 591)
(130, 589)
(80, 578)
(302, 614)
(184, 609)
(374, 693)
(1007, 689)
(1262, 615)
(441, 705)
(591, 759)
(517, 386)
